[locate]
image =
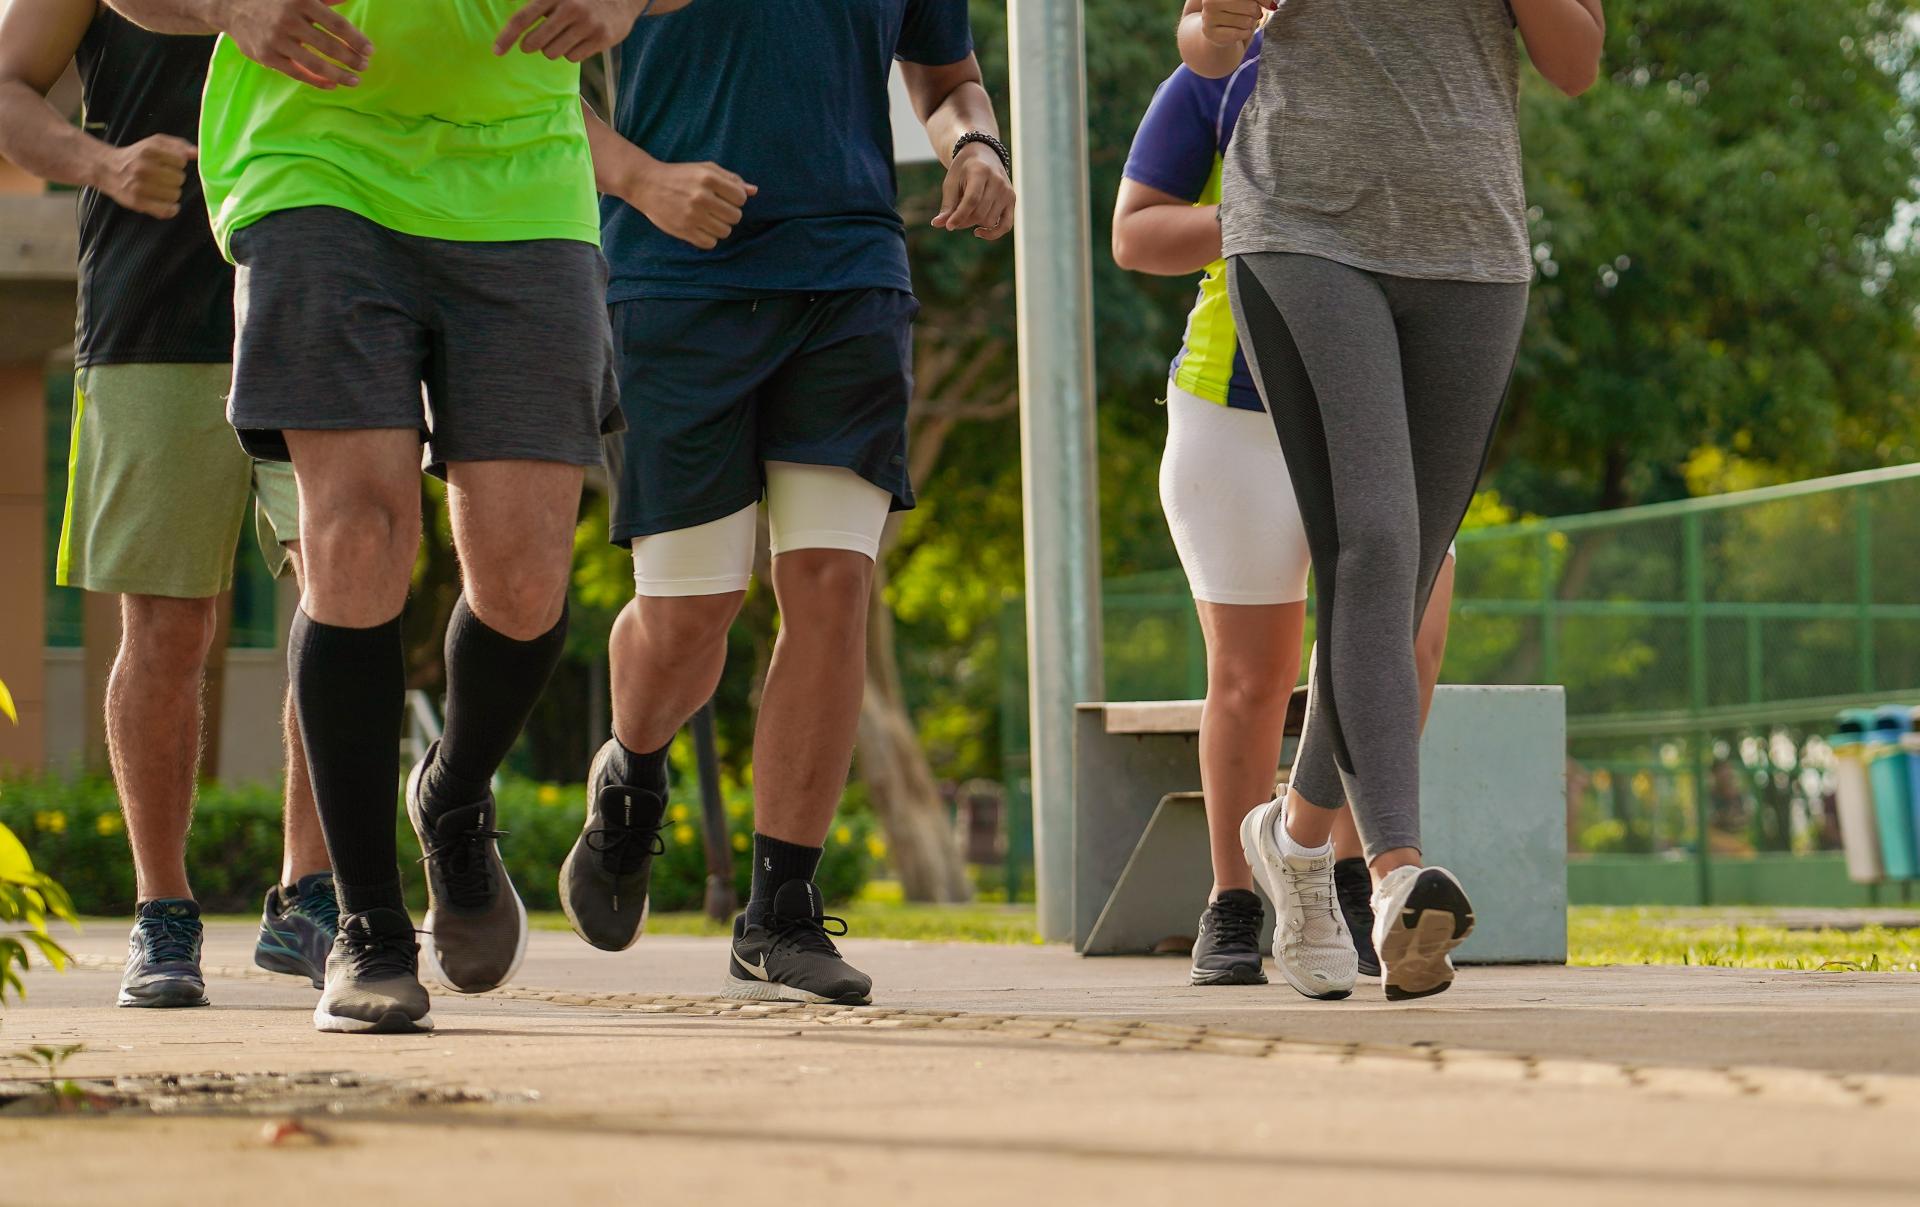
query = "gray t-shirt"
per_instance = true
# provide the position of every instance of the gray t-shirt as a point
(1384, 134)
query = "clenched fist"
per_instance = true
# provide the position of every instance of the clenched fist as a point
(1231, 22)
(147, 177)
(697, 203)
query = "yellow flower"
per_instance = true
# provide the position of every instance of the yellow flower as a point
(843, 834)
(548, 795)
(683, 833)
(741, 842)
(53, 821)
(106, 823)
(876, 846)
(678, 813)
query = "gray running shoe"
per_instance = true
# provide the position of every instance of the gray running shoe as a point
(373, 977)
(1227, 951)
(476, 923)
(297, 928)
(603, 883)
(163, 956)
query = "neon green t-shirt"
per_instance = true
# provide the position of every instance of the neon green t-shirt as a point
(442, 138)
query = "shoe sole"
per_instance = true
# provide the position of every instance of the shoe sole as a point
(287, 963)
(1250, 848)
(774, 991)
(128, 1001)
(1227, 976)
(429, 951)
(1436, 918)
(393, 1022)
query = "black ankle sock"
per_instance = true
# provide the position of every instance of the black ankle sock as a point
(647, 770)
(348, 688)
(493, 682)
(774, 864)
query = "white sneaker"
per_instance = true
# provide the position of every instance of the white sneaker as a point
(1419, 915)
(1311, 943)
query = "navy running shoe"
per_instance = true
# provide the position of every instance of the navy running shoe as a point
(297, 928)
(163, 956)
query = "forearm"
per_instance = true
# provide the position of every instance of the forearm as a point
(617, 163)
(38, 140)
(965, 109)
(1564, 39)
(1202, 55)
(175, 16)
(1167, 240)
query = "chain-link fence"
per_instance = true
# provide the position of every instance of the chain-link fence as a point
(1705, 646)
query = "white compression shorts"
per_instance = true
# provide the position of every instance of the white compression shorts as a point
(1230, 504)
(808, 507)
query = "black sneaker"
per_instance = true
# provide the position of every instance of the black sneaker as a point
(297, 928)
(1228, 949)
(163, 956)
(603, 883)
(477, 923)
(791, 958)
(373, 977)
(1354, 886)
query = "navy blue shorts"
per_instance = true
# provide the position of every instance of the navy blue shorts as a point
(713, 389)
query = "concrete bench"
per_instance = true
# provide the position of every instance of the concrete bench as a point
(1492, 783)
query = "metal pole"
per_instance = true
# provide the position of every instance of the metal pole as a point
(1054, 295)
(721, 899)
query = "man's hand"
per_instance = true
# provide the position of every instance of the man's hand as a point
(696, 203)
(977, 194)
(1231, 22)
(304, 39)
(147, 177)
(574, 30)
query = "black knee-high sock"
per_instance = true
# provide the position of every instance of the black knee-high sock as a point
(493, 682)
(775, 862)
(348, 693)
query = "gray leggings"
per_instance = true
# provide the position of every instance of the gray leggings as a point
(1385, 391)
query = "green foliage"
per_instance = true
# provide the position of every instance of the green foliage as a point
(233, 850)
(28, 898)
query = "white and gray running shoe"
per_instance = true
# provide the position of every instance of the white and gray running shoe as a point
(1310, 940)
(373, 977)
(1419, 916)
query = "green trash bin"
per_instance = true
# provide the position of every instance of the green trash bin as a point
(1892, 780)
(1853, 793)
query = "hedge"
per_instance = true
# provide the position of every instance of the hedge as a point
(74, 831)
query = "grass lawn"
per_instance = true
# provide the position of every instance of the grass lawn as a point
(1724, 938)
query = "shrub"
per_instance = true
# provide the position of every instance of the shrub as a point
(74, 828)
(28, 897)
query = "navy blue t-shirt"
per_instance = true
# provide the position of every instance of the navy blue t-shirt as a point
(793, 97)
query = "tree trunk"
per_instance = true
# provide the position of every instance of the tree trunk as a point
(899, 780)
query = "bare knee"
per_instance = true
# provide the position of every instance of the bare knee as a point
(1240, 689)
(521, 606)
(823, 590)
(168, 637)
(685, 624)
(360, 545)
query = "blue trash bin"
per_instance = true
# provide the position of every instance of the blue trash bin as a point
(1853, 795)
(1889, 769)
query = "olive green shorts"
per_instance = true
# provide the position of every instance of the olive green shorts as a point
(158, 486)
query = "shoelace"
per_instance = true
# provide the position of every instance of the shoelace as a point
(1234, 927)
(464, 865)
(623, 846)
(376, 956)
(321, 905)
(1313, 888)
(808, 934)
(167, 939)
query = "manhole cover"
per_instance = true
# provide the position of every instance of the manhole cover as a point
(236, 1094)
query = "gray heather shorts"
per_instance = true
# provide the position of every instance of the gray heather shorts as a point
(341, 322)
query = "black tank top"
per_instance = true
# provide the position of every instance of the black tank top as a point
(151, 292)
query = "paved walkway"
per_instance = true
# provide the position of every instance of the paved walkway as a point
(991, 1074)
